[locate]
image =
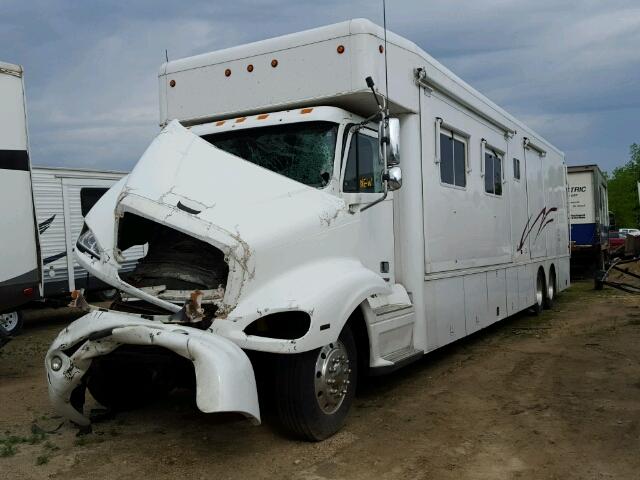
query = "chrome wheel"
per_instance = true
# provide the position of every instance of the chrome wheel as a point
(539, 290)
(9, 321)
(332, 376)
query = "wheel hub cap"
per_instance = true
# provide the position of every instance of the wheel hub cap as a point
(9, 321)
(332, 376)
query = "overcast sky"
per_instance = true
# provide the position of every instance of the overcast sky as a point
(568, 68)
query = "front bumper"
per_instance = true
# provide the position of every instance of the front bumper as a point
(224, 375)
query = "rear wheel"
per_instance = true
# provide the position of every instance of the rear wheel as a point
(315, 389)
(11, 322)
(551, 290)
(539, 297)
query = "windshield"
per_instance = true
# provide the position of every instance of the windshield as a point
(301, 151)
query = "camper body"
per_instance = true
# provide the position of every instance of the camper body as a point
(63, 196)
(20, 270)
(589, 214)
(294, 257)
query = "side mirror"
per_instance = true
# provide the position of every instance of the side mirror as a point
(394, 178)
(389, 133)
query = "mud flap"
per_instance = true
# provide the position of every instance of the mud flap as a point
(224, 375)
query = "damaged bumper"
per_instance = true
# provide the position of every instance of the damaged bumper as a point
(224, 375)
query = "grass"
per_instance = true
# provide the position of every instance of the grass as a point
(42, 460)
(9, 443)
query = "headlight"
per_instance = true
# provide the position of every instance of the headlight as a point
(88, 243)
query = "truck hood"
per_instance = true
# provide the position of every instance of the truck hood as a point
(186, 173)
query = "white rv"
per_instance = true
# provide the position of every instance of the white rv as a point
(63, 196)
(20, 270)
(277, 220)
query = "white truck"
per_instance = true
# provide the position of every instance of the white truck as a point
(20, 266)
(278, 221)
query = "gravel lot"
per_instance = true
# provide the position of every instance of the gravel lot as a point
(556, 396)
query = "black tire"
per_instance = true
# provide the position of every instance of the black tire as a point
(551, 291)
(121, 386)
(12, 322)
(538, 306)
(297, 403)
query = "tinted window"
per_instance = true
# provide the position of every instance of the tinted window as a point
(516, 169)
(301, 151)
(89, 197)
(364, 169)
(492, 173)
(452, 160)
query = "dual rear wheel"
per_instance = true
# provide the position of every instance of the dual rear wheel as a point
(545, 291)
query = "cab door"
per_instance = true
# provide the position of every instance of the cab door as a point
(361, 184)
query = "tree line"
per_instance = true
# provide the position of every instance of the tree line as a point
(623, 191)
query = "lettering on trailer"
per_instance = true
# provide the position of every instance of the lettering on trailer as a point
(541, 221)
(14, 160)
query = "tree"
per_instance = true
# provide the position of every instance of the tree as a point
(623, 190)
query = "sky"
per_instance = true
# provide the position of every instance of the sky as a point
(569, 69)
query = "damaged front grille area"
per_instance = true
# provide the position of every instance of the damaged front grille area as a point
(175, 265)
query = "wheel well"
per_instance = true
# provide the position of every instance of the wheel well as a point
(359, 329)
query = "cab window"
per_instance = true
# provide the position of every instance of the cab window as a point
(363, 173)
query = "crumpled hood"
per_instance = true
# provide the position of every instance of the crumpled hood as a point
(181, 170)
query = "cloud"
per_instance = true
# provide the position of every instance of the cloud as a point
(569, 68)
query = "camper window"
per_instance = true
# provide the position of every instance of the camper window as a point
(492, 173)
(89, 197)
(363, 172)
(516, 169)
(453, 159)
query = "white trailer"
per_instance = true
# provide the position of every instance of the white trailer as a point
(20, 269)
(272, 226)
(63, 196)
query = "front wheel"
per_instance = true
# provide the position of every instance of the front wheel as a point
(315, 389)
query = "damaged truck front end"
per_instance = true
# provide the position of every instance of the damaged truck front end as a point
(238, 258)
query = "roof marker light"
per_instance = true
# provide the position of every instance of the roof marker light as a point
(227, 72)
(380, 48)
(220, 123)
(274, 63)
(340, 49)
(249, 68)
(241, 119)
(306, 110)
(172, 83)
(263, 116)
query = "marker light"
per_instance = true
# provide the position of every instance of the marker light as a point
(249, 68)
(380, 48)
(227, 72)
(340, 49)
(274, 63)
(306, 110)
(263, 116)
(172, 83)
(56, 363)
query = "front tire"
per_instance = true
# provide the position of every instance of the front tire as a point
(315, 389)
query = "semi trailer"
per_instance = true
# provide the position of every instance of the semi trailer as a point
(285, 236)
(20, 263)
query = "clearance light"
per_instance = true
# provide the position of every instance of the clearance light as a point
(249, 68)
(340, 49)
(227, 72)
(241, 119)
(274, 63)
(380, 48)
(27, 292)
(263, 116)
(172, 83)
(306, 110)
(220, 123)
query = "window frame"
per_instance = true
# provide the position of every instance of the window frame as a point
(496, 153)
(464, 139)
(356, 197)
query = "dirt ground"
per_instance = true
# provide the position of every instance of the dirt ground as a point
(556, 396)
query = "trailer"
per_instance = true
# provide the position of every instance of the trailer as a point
(589, 214)
(20, 267)
(63, 196)
(284, 232)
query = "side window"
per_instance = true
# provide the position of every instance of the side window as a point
(364, 169)
(516, 169)
(492, 173)
(453, 160)
(89, 197)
